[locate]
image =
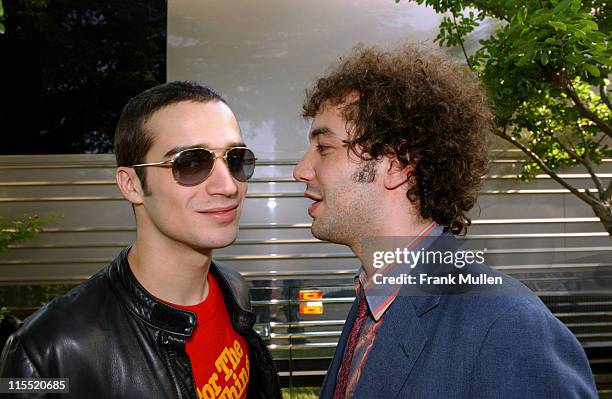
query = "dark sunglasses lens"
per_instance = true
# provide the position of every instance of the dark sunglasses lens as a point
(241, 163)
(193, 166)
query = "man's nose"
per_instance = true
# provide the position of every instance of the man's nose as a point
(221, 181)
(303, 171)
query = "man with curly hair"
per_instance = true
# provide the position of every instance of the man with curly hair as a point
(398, 147)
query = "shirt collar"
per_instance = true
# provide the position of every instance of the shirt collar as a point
(378, 304)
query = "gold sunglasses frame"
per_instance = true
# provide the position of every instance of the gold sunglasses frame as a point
(170, 162)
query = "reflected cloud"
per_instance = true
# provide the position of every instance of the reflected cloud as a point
(261, 137)
(181, 41)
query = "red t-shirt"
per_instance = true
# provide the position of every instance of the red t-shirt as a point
(219, 356)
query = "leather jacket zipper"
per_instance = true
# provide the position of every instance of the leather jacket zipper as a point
(166, 353)
(262, 345)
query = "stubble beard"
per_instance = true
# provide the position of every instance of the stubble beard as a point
(344, 225)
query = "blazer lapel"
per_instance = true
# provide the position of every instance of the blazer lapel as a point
(399, 342)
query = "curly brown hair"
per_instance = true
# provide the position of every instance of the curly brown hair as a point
(422, 109)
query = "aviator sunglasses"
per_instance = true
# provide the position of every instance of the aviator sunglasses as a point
(192, 166)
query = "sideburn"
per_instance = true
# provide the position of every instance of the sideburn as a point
(142, 176)
(367, 173)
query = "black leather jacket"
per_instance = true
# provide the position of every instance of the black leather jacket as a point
(112, 339)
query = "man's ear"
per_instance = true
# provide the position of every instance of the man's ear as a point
(396, 174)
(129, 184)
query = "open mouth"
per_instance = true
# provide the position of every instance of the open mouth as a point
(317, 201)
(313, 207)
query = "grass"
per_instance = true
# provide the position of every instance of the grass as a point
(301, 393)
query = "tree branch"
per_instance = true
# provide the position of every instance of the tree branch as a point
(589, 199)
(568, 89)
(608, 192)
(585, 162)
(467, 59)
(486, 6)
(603, 136)
(604, 97)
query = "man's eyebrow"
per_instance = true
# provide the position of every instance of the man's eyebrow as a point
(324, 130)
(188, 147)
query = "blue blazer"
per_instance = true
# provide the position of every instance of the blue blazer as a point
(438, 346)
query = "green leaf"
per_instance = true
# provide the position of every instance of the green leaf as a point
(580, 34)
(524, 59)
(590, 25)
(603, 60)
(593, 70)
(562, 6)
(544, 59)
(1, 9)
(2, 28)
(558, 25)
(575, 6)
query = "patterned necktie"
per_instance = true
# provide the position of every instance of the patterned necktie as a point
(343, 377)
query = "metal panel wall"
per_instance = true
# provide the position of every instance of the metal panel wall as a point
(537, 232)
(518, 223)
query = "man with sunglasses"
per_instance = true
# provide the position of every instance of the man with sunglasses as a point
(397, 151)
(163, 320)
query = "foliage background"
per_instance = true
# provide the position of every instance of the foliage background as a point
(545, 67)
(73, 64)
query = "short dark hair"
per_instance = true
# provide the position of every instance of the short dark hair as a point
(132, 140)
(422, 109)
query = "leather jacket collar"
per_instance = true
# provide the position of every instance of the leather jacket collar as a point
(176, 321)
